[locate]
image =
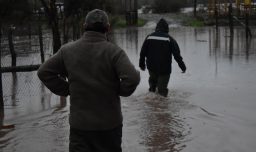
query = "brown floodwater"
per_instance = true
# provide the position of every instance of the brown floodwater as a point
(209, 108)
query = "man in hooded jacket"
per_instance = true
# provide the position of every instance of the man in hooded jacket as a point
(158, 49)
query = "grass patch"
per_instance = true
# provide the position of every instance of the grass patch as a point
(120, 22)
(141, 22)
(194, 22)
(117, 21)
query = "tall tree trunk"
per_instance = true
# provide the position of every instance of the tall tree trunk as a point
(56, 37)
(40, 36)
(51, 12)
(216, 15)
(1, 87)
(64, 30)
(11, 46)
(230, 14)
(195, 5)
(55, 27)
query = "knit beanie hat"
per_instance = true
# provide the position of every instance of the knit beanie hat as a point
(97, 16)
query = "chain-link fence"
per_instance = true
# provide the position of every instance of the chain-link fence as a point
(26, 48)
(23, 86)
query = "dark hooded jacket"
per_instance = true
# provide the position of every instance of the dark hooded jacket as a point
(158, 49)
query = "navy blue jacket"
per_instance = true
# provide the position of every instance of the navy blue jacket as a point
(158, 49)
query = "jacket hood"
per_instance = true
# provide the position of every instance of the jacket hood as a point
(162, 26)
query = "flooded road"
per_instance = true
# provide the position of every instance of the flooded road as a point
(209, 108)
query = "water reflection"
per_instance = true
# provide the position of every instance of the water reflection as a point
(43, 118)
(62, 105)
(247, 48)
(1, 118)
(128, 39)
(132, 39)
(2, 134)
(163, 129)
(14, 89)
(216, 49)
(40, 124)
(230, 45)
(43, 100)
(13, 103)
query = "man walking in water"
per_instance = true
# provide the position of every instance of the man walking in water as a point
(98, 73)
(158, 49)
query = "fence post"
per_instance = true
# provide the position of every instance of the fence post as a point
(64, 28)
(195, 6)
(11, 46)
(40, 35)
(246, 25)
(131, 13)
(247, 29)
(29, 31)
(1, 87)
(216, 15)
(73, 27)
(230, 14)
(238, 4)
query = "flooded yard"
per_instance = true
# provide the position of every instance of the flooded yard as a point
(209, 108)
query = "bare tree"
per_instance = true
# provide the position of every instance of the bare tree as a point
(52, 15)
(164, 6)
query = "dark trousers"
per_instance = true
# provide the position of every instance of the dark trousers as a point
(160, 82)
(96, 141)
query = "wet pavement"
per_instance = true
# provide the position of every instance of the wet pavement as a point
(209, 108)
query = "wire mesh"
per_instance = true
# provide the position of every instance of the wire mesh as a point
(23, 86)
